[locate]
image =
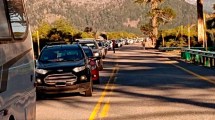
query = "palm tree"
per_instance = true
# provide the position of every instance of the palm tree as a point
(157, 15)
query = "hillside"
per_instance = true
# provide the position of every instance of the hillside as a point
(104, 15)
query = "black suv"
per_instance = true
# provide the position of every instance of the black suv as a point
(63, 69)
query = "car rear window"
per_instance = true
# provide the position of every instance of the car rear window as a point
(88, 52)
(91, 45)
(100, 44)
(61, 55)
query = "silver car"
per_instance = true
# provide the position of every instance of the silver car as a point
(96, 50)
(102, 47)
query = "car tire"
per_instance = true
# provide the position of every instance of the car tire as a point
(40, 96)
(96, 81)
(100, 67)
(89, 91)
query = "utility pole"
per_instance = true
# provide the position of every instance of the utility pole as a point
(189, 27)
(163, 41)
(189, 36)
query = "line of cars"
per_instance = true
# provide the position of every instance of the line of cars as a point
(118, 43)
(67, 68)
(121, 42)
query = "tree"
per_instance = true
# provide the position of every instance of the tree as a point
(214, 6)
(119, 35)
(43, 30)
(77, 36)
(64, 26)
(58, 35)
(88, 29)
(201, 31)
(157, 16)
(87, 35)
(147, 29)
(104, 35)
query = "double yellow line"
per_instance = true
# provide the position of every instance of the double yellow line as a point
(108, 89)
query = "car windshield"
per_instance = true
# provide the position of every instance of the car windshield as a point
(100, 44)
(61, 55)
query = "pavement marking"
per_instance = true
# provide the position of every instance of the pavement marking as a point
(192, 73)
(104, 93)
(105, 110)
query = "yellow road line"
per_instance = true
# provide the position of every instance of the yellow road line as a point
(101, 99)
(105, 110)
(192, 73)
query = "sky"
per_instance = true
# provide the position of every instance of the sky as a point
(208, 4)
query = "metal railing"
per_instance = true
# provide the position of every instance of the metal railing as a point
(177, 48)
(169, 48)
(205, 58)
(195, 55)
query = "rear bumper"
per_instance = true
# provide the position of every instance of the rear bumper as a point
(95, 74)
(63, 89)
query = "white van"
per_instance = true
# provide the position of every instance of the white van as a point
(17, 90)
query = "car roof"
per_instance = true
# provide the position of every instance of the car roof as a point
(63, 46)
(85, 40)
(86, 47)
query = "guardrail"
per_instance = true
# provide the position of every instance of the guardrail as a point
(205, 58)
(169, 48)
(177, 48)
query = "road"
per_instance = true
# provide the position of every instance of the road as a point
(139, 84)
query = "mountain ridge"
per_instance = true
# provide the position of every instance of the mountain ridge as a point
(104, 15)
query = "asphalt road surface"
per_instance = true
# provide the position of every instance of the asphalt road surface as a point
(139, 84)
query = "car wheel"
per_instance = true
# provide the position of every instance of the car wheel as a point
(100, 67)
(89, 91)
(96, 81)
(103, 57)
(40, 96)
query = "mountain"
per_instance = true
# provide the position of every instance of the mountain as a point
(191, 1)
(105, 15)
(207, 5)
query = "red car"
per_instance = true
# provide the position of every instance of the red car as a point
(94, 66)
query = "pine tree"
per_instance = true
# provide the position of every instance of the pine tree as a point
(157, 16)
